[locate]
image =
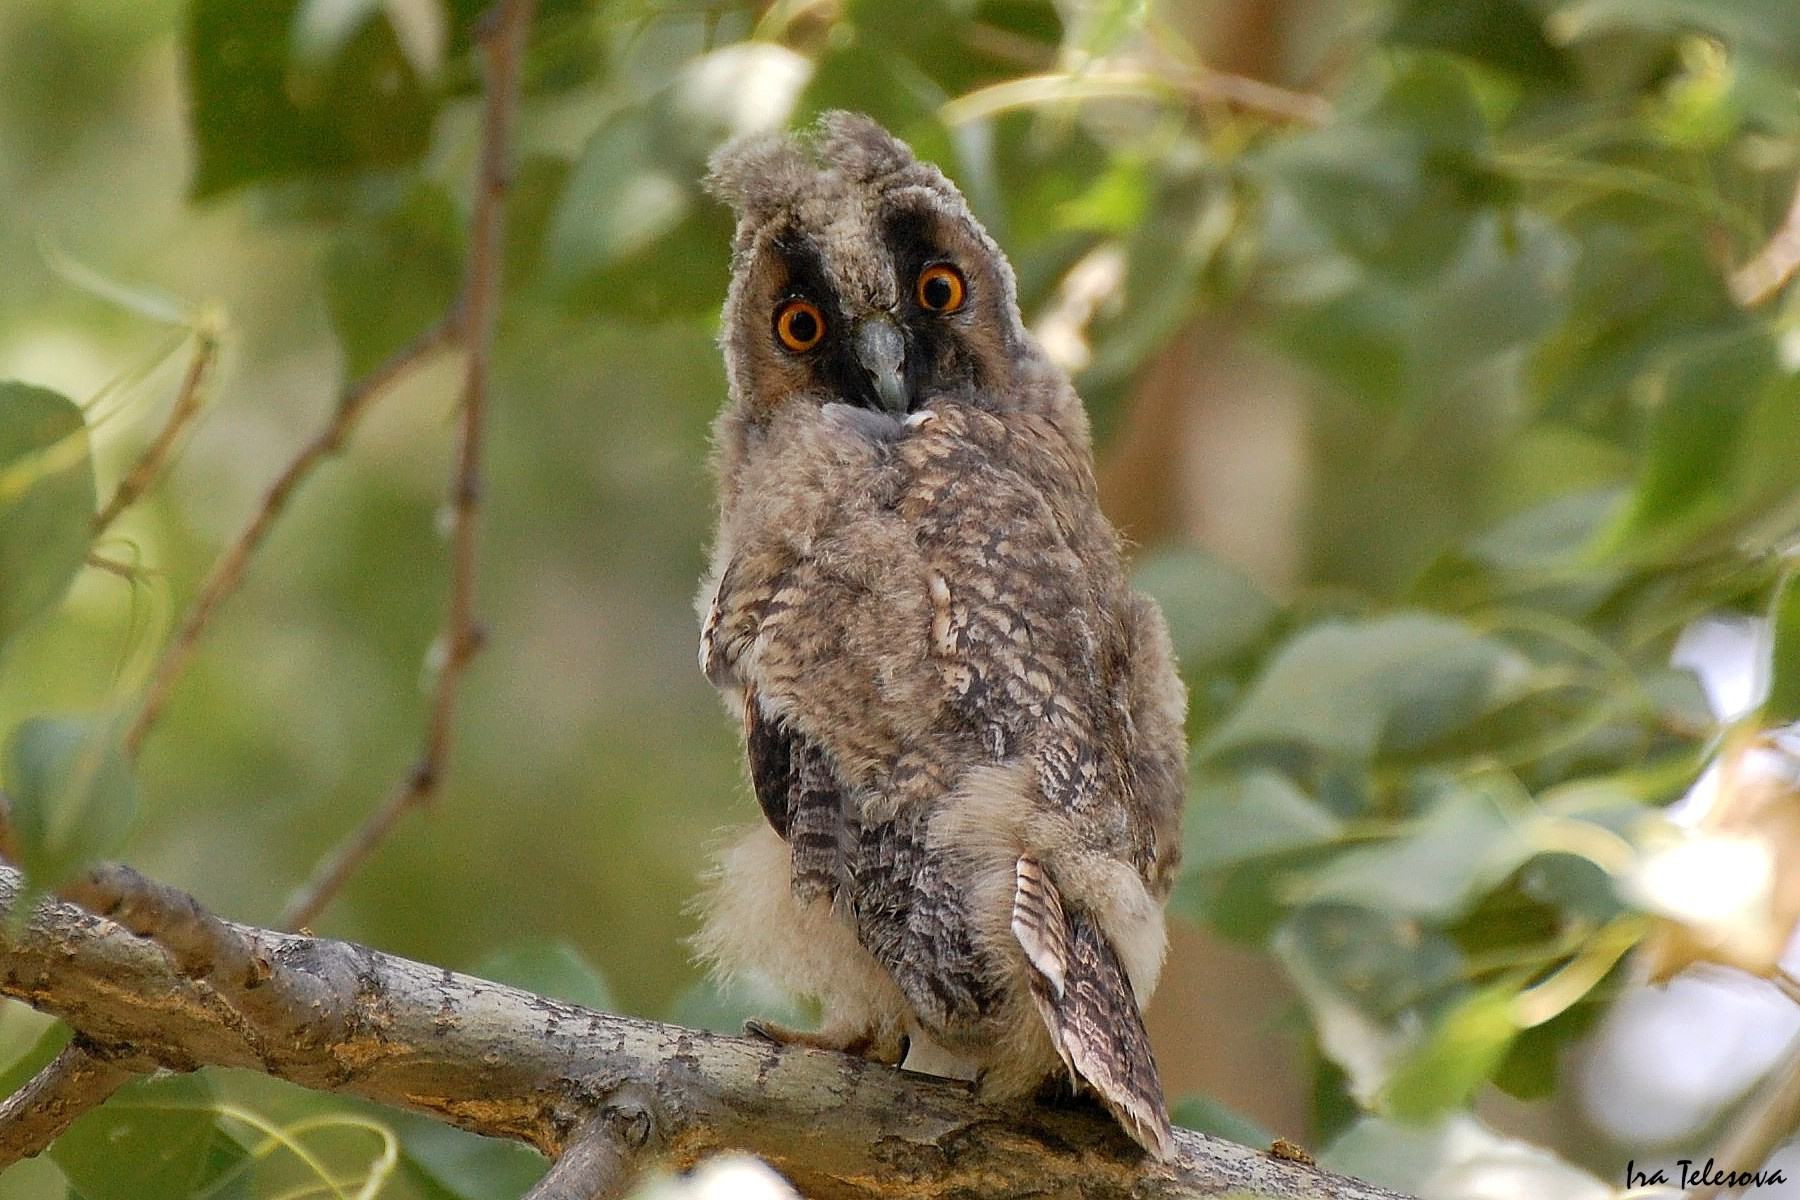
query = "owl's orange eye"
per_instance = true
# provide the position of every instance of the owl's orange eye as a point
(941, 289)
(799, 324)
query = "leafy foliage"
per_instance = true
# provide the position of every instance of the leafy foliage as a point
(72, 793)
(1542, 439)
(46, 502)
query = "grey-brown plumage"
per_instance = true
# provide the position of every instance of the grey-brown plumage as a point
(963, 729)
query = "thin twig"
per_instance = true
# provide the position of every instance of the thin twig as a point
(1786, 984)
(1765, 274)
(1762, 1125)
(112, 566)
(188, 403)
(1253, 95)
(1194, 86)
(502, 34)
(228, 571)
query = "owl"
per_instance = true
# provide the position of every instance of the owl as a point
(964, 730)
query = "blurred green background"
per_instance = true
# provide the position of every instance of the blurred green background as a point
(1418, 381)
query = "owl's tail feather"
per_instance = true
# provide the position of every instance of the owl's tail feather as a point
(1087, 1004)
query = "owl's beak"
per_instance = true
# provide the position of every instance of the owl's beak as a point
(881, 349)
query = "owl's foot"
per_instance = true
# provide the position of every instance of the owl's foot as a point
(863, 1043)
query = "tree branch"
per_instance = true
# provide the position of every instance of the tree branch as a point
(1774, 264)
(600, 1161)
(502, 35)
(1762, 1125)
(344, 1018)
(228, 571)
(71, 1085)
(189, 399)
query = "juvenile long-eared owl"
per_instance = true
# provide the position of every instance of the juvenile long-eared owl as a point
(964, 730)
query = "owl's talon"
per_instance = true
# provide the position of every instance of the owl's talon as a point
(859, 1044)
(769, 1032)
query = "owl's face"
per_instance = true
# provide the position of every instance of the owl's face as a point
(861, 278)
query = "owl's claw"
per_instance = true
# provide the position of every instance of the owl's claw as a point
(862, 1043)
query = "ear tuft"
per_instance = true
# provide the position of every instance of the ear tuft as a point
(758, 175)
(859, 147)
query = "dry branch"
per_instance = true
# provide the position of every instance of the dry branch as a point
(1775, 264)
(71, 1085)
(1761, 1126)
(502, 34)
(338, 1017)
(228, 571)
(189, 400)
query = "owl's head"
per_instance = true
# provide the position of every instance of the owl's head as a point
(860, 276)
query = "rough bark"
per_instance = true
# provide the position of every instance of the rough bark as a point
(340, 1017)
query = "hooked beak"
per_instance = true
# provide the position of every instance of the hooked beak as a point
(881, 349)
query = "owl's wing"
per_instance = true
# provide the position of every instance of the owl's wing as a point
(1086, 1001)
(803, 799)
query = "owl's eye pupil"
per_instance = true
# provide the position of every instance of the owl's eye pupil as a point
(941, 289)
(800, 325)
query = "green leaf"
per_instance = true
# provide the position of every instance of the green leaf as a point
(1409, 1159)
(1783, 704)
(1395, 181)
(550, 968)
(1530, 1069)
(73, 794)
(445, 1163)
(1243, 840)
(1363, 976)
(1245, 901)
(1247, 816)
(631, 235)
(258, 114)
(1113, 203)
(622, 196)
(899, 63)
(156, 1139)
(1548, 536)
(1351, 688)
(1685, 483)
(1385, 964)
(1214, 612)
(1505, 289)
(1463, 1048)
(1390, 342)
(1356, 338)
(1506, 35)
(1464, 845)
(46, 502)
(1764, 25)
(388, 279)
(1205, 1115)
(322, 28)
(25, 1058)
